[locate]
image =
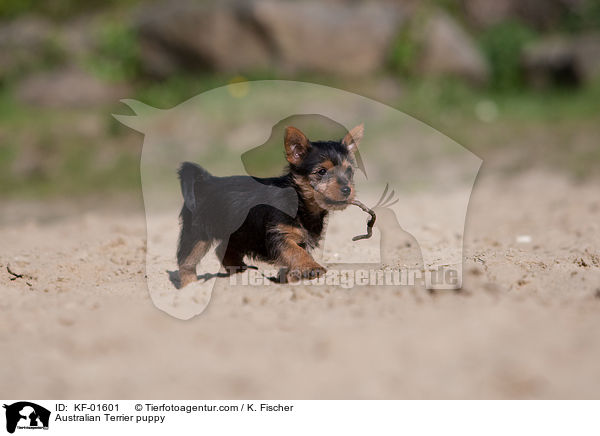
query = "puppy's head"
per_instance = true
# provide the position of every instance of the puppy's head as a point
(323, 170)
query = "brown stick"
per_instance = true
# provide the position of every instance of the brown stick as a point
(370, 223)
(14, 274)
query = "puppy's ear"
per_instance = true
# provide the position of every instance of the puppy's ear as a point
(296, 145)
(353, 137)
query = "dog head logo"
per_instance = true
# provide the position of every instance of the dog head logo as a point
(417, 180)
(26, 415)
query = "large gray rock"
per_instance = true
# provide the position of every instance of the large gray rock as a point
(241, 36)
(447, 49)
(340, 38)
(563, 60)
(211, 35)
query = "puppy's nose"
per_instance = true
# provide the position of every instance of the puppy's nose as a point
(346, 190)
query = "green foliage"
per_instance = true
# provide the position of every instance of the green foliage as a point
(175, 90)
(117, 55)
(64, 160)
(55, 9)
(582, 18)
(12, 8)
(180, 87)
(503, 45)
(403, 52)
(441, 102)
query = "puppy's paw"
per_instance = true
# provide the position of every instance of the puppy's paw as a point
(186, 277)
(310, 271)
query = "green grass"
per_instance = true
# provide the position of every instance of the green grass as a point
(179, 88)
(58, 9)
(558, 127)
(117, 56)
(430, 100)
(44, 152)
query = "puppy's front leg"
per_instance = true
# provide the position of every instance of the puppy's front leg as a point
(299, 263)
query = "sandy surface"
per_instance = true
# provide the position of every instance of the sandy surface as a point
(79, 322)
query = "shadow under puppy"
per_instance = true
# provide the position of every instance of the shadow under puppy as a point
(278, 219)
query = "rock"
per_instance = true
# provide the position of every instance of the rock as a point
(587, 56)
(550, 61)
(349, 38)
(560, 60)
(235, 36)
(68, 87)
(485, 13)
(24, 42)
(448, 50)
(213, 35)
(158, 60)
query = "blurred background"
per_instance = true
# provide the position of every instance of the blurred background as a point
(515, 81)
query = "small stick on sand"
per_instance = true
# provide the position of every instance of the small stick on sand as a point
(14, 275)
(370, 223)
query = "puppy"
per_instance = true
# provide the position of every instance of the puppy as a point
(278, 220)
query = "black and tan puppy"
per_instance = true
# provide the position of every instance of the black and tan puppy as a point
(277, 220)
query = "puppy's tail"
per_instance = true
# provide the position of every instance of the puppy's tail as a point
(189, 175)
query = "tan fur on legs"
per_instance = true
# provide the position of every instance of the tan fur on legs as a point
(187, 270)
(299, 263)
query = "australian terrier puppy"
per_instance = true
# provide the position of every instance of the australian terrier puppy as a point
(278, 220)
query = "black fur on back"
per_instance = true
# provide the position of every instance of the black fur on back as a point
(237, 210)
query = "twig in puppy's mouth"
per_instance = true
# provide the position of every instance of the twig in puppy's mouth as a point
(370, 223)
(330, 201)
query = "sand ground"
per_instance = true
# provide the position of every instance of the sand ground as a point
(79, 322)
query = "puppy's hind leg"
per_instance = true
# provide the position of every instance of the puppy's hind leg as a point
(188, 257)
(193, 246)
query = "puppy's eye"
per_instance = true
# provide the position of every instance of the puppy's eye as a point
(349, 172)
(322, 172)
